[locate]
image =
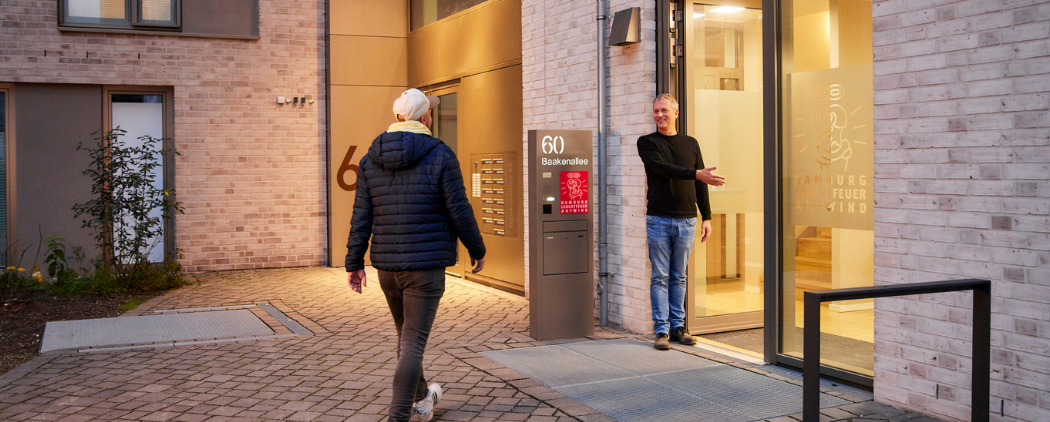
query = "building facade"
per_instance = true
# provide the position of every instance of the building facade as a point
(251, 172)
(864, 143)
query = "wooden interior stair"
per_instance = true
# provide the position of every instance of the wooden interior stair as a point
(813, 260)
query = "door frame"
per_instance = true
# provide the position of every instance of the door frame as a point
(670, 72)
(668, 81)
(9, 165)
(171, 249)
(439, 89)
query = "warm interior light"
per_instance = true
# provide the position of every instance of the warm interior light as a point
(726, 9)
(698, 15)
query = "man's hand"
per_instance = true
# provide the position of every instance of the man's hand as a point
(710, 178)
(356, 280)
(478, 265)
(705, 230)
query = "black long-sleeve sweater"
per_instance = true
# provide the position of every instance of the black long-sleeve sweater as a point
(671, 163)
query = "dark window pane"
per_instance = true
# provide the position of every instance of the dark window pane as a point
(137, 98)
(426, 12)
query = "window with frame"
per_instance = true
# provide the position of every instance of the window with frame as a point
(122, 14)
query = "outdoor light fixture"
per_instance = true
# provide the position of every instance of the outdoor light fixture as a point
(726, 9)
(626, 27)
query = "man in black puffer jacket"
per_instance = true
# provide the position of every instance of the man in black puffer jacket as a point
(412, 204)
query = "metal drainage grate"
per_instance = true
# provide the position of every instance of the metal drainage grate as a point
(630, 381)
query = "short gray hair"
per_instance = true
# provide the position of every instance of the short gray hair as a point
(668, 97)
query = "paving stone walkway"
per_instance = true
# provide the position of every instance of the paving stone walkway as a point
(340, 373)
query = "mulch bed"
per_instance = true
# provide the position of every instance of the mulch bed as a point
(22, 320)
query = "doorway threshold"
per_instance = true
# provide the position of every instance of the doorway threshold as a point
(727, 350)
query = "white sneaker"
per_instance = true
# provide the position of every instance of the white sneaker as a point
(425, 408)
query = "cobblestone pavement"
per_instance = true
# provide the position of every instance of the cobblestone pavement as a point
(340, 373)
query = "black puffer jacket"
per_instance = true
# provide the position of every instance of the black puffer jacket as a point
(412, 203)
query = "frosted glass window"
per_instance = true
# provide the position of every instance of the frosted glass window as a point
(157, 12)
(828, 167)
(143, 115)
(123, 14)
(96, 11)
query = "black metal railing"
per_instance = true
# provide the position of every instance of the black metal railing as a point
(982, 332)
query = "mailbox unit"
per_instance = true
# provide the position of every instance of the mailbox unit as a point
(561, 249)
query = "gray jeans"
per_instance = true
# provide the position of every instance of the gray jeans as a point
(413, 298)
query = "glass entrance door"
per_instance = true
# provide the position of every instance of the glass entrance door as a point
(722, 92)
(827, 141)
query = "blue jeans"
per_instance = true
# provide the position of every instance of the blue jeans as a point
(670, 240)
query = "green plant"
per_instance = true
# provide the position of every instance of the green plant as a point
(80, 259)
(56, 257)
(124, 198)
(15, 278)
(130, 304)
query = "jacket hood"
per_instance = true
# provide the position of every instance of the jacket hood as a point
(401, 150)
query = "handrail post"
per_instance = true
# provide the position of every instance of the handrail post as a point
(982, 335)
(810, 366)
(982, 339)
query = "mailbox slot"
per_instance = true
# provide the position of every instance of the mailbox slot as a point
(566, 252)
(564, 226)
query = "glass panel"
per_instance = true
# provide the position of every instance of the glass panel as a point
(96, 11)
(143, 115)
(157, 12)
(446, 121)
(3, 177)
(725, 67)
(426, 12)
(827, 143)
(446, 128)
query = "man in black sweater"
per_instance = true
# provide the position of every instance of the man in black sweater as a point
(677, 184)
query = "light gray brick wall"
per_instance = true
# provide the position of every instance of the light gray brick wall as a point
(962, 167)
(559, 43)
(251, 175)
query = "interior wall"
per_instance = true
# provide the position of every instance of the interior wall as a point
(369, 67)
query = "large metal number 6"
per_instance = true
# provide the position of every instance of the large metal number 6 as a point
(345, 167)
(548, 144)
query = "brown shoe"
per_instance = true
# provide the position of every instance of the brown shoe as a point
(682, 336)
(661, 342)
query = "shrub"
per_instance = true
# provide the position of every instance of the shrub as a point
(123, 197)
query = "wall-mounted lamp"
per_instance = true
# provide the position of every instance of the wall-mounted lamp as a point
(626, 27)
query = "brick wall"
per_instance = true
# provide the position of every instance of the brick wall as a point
(962, 179)
(251, 175)
(559, 43)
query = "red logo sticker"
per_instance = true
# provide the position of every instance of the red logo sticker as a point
(574, 198)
